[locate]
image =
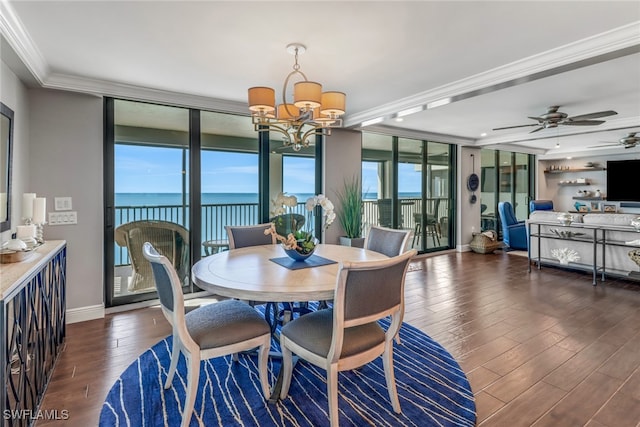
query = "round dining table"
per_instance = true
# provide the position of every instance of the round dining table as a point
(250, 274)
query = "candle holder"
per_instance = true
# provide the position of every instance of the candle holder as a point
(40, 233)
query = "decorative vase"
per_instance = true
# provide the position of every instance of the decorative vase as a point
(354, 242)
(634, 255)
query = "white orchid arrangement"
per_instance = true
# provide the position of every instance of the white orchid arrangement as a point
(301, 240)
(327, 207)
(280, 204)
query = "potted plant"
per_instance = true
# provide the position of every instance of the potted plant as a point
(350, 213)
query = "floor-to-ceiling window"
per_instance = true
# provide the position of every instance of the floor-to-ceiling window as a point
(406, 184)
(150, 194)
(229, 184)
(177, 176)
(505, 177)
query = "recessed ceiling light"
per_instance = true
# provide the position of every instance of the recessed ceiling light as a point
(483, 134)
(399, 119)
(438, 103)
(569, 158)
(372, 121)
(411, 110)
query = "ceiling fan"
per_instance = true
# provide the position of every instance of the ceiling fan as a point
(629, 141)
(553, 118)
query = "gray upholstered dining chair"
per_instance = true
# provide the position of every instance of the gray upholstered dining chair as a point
(388, 241)
(348, 335)
(219, 329)
(241, 236)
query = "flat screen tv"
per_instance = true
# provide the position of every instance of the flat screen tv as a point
(622, 180)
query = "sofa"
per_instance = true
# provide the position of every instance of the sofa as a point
(614, 234)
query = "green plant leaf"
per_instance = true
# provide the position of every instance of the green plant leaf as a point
(350, 212)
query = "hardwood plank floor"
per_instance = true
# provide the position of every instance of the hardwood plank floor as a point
(544, 348)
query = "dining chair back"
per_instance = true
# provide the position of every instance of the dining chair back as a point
(348, 335)
(430, 220)
(241, 236)
(214, 330)
(384, 212)
(386, 241)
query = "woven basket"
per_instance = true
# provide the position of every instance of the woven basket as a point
(483, 244)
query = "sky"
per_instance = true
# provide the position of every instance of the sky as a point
(141, 169)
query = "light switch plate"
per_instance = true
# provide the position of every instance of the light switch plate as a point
(62, 203)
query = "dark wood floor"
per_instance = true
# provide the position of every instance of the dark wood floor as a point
(543, 349)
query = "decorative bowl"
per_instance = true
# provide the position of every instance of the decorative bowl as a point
(298, 256)
(565, 218)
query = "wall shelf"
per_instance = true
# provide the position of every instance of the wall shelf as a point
(567, 184)
(593, 198)
(575, 170)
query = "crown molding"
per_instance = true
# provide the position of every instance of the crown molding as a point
(415, 134)
(119, 90)
(13, 31)
(598, 48)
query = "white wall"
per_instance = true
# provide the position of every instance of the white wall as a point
(562, 196)
(15, 96)
(66, 161)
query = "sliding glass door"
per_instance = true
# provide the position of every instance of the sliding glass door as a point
(505, 177)
(406, 184)
(150, 195)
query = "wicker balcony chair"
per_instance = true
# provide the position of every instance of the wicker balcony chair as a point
(170, 240)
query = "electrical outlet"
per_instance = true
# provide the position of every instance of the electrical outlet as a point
(63, 218)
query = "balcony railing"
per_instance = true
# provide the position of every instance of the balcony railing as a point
(216, 216)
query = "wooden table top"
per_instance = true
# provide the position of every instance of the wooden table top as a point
(247, 273)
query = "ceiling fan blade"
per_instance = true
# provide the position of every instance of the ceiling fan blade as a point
(594, 115)
(536, 130)
(539, 119)
(518, 126)
(583, 122)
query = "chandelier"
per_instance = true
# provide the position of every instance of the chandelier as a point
(312, 112)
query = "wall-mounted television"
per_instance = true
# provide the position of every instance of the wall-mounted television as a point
(622, 180)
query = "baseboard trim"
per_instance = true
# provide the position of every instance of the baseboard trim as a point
(153, 302)
(463, 248)
(82, 314)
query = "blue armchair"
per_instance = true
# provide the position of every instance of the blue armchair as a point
(540, 205)
(514, 232)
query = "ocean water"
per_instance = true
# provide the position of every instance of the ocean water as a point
(217, 211)
(172, 199)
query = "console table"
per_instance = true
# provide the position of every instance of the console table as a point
(33, 330)
(601, 238)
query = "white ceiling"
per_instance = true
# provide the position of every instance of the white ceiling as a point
(499, 62)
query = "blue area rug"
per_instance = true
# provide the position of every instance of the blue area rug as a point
(432, 388)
